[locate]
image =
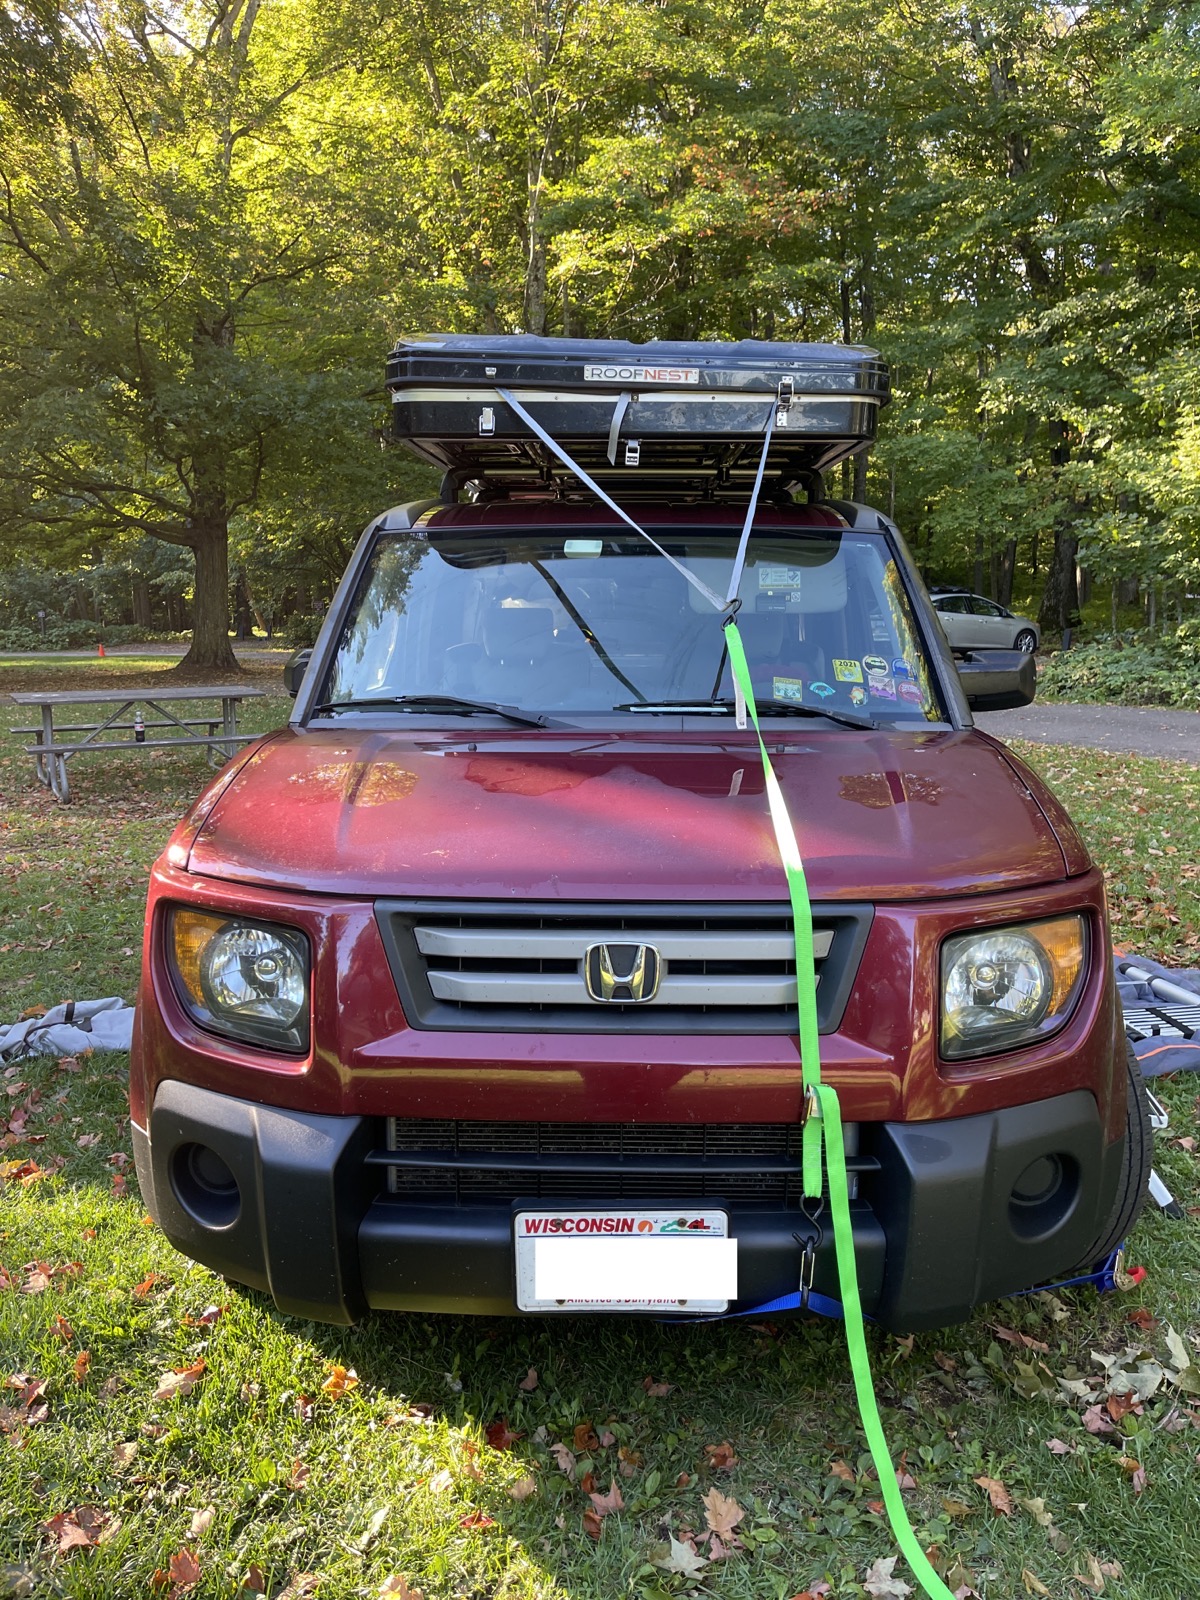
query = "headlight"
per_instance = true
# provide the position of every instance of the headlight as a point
(1010, 986)
(245, 979)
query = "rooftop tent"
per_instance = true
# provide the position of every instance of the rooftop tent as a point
(659, 420)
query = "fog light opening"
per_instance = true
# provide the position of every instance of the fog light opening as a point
(1043, 1197)
(204, 1186)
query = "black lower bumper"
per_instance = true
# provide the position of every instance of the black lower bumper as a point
(956, 1213)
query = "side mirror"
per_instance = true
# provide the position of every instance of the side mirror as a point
(297, 664)
(997, 680)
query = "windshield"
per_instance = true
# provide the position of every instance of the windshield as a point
(555, 621)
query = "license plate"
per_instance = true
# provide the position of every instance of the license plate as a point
(616, 1260)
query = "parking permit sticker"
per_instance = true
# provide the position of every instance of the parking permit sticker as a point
(910, 692)
(876, 666)
(822, 690)
(849, 671)
(858, 696)
(883, 688)
(779, 577)
(901, 669)
(787, 688)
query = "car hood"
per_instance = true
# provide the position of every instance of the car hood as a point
(879, 815)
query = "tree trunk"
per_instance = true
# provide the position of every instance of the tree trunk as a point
(1060, 600)
(210, 648)
(1008, 566)
(141, 603)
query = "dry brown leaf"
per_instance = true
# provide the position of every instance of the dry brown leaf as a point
(722, 1513)
(998, 1495)
(301, 1586)
(180, 1380)
(82, 1362)
(183, 1569)
(564, 1459)
(202, 1521)
(297, 1478)
(720, 1456)
(530, 1381)
(523, 1488)
(592, 1524)
(141, 1290)
(605, 1504)
(584, 1439)
(1059, 1447)
(878, 1580)
(500, 1436)
(80, 1529)
(254, 1581)
(1033, 1584)
(842, 1469)
(441, 1481)
(477, 1519)
(656, 1390)
(60, 1328)
(1095, 1420)
(340, 1381)
(123, 1454)
(398, 1588)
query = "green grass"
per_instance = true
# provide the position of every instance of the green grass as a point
(388, 1471)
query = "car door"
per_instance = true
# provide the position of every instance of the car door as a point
(954, 610)
(994, 626)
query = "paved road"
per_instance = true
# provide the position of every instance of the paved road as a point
(1141, 730)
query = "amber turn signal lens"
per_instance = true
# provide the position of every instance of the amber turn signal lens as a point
(191, 933)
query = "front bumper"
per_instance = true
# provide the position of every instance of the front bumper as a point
(949, 1216)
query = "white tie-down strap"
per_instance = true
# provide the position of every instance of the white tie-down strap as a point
(509, 398)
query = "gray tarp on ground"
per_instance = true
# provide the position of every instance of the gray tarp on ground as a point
(68, 1030)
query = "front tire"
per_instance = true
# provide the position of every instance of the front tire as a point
(1136, 1165)
(1026, 640)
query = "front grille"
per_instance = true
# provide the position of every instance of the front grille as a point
(525, 967)
(751, 1163)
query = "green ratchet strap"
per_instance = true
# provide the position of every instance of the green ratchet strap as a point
(823, 1130)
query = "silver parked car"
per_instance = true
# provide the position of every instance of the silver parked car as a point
(973, 622)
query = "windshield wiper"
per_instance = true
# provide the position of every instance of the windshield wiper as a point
(452, 703)
(766, 708)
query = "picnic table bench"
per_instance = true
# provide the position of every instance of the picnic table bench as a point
(52, 753)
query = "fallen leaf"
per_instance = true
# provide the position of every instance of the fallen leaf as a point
(722, 1513)
(564, 1459)
(501, 1437)
(123, 1454)
(1095, 1420)
(82, 1362)
(477, 1519)
(878, 1580)
(206, 1318)
(441, 1481)
(80, 1529)
(141, 1290)
(1120, 1405)
(1024, 1340)
(1138, 1481)
(588, 1483)
(297, 1478)
(398, 1588)
(656, 1391)
(678, 1556)
(469, 1466)
(720, 1456)
(843, 1470)
(1142, 1318)
(1059, 1447)
(183, 1569)
(202, 1521)
(681, 1482)
(604, 1504)
(301, 1586)
(998, 1495)
(339, 1382)
(180, 1380)
(530, 1381)
(584, 1439)
(592, 1525)
(254, 1581)
(62, 1329)
(1033, 1584)
(523, 1488)
(607, 1439)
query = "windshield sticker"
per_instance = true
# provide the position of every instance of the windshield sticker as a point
(901, 669)
(787, 688)
(883, 688)
(847, 671)
(583, 547)
(876, 666)
(858, 696)
(822, 690)
(772, 578)
(911, 693)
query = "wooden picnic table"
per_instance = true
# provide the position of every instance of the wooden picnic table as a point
(52, 753)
